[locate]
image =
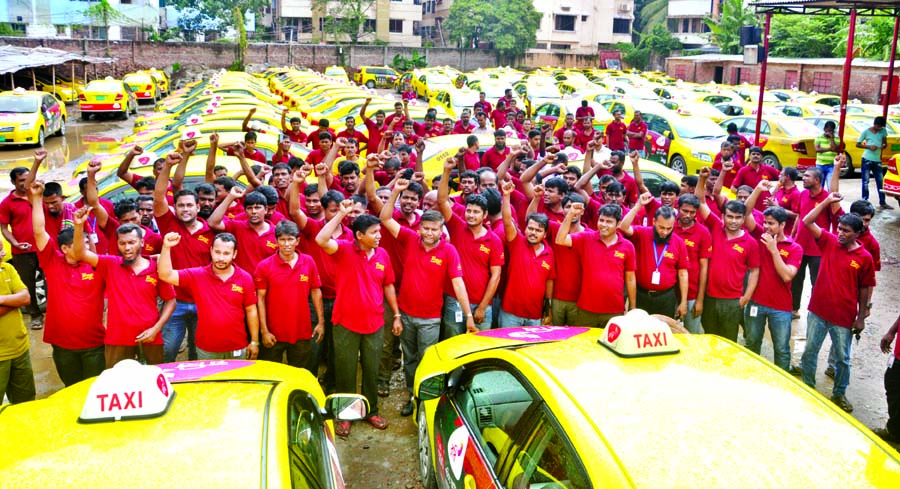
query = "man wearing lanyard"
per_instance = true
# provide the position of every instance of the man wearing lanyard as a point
(657, 280)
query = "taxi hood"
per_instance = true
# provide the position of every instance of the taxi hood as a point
(17, 117)
(468, 344)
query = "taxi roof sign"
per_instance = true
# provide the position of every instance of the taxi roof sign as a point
(127, 391)
(637, 334)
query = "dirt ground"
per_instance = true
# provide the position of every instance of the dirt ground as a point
(387, 459)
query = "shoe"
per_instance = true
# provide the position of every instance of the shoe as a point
(342, 429)
(829, 372)
(795, 371)
(396, 365)
(37, 323)
(887, 436)
(377, 422)
(843, 403)
(795, 315)
(885, 207)
(384, 389)
(407, 409)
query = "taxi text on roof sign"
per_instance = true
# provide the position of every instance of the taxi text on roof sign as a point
(637, 334)
(127, 391)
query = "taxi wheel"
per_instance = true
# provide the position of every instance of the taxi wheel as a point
(370, 84)
(678, 164)
(85, 116)
(769, 159)
(426, 463)
(41, 137)
(62, 128)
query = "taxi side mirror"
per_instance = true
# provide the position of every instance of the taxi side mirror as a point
(346, 407)
(433, 387)
(668, 134)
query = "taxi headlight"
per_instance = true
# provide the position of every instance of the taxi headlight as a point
(27, 126)
(702, 157)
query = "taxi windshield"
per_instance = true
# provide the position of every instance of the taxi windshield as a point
(18, 105)
(697, 128)
(799, 128)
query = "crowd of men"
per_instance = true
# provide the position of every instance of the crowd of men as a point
(331, 272)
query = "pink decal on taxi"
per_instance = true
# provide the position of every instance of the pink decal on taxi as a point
(535, 333)
(183, 371)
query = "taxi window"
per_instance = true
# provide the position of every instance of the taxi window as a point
(306, 443)
(547, 459)
(492, 401)
(792, 111)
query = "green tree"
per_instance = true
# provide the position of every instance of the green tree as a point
(873, 37)
(806, 36)
(651, 13)
(656, 45)
(231, 13)
(726, 30)
(346, 17)
(104, 14)
(511, 25)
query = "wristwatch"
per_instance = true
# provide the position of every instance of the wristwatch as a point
(254, 343)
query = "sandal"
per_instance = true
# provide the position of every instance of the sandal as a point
(384, 390)
(342, 429)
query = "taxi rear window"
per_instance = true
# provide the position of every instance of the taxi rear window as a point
(103, 86)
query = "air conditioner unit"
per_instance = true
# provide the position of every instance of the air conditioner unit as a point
(624, 7)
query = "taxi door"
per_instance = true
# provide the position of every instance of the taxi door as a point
(52, 114)
(477, 424)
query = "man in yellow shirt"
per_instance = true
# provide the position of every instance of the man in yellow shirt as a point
(16, 375)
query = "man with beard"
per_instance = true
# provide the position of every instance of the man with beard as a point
(754, 173)
(735, 253)
(350, 132)
(837, 307)
(255, 235)
(469, 181)
(193, 252)
(284, 322)
(206, 200)
(133, 287)
(813, 193)
(74, 323)
(145, 212)
(662, 284)
(779, 259)
(464, 124)
(532, 268)
(698, 243)
(481, 254)
(584, 133)
(365, 284)
(607, 263)
(496, 154)
(428, 262)
(226, 302)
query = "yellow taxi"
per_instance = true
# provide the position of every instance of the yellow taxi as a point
(143, 85)
(627, 107)
(63, 90)
(793, 109)
(892, 178)
(683, 143)
(853, 127)
(454, 101)
(28, 117)
(785, 141)
(220, 423)
(426, 83)
(162, 80)
(555, 112)
(631, 405)
(820, 99)
(692, 107)
(375, 76)
(107, 96)
(336, 73)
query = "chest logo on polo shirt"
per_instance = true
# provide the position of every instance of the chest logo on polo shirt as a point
(148, 247)
(545, 265)
(784, 200)
(669, 255)
(689, 243)
(784, 253)
(150, 280)
(484, 249)
(619, 254)
(203, 239)
(87, 276)
(304, 278)
(738, 248)
(854, 264)
(272, 245)
(437, 261)
(237, 288)
(379, 267)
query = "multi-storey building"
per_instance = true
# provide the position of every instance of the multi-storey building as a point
(395, 22)
(71, 18)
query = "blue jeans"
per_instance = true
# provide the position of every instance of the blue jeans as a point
(827, 172)
(874, 167)
(183, 319)
(779, 327)
(418, 334)
(816, 330)
(691, 322)
(452, 327)
(508, 320)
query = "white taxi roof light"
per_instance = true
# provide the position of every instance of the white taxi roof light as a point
(18, 91)
(637, 334)
(127, 391)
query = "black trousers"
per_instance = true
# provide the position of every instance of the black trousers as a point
(892, 392)
(811, 262)
(657, 302)
(26, 264)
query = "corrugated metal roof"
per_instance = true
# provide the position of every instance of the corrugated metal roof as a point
(14, 58)
(720, 58)
(870, 7)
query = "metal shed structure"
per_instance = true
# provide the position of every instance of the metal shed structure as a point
(14, 59)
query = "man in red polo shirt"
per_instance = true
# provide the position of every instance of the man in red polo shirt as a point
(698, 243)
(812, 194)
(837, 307)
(133, 287)
(567, 263)
(531, 270)
(226, 300)
(285, 326)
(255, 235)
(374, 128)
(726, 157)
(429, 262)
(754, 173)
(249, 148)
(615, 133)
(74, 322)
(607, 263)
(496, 154)
(779, 260)
(193, 252)
(365, 283)
(735, 254)
(636, 134)
(584, 133)
(481, 254)
(662, 277)
(294, 133)
(15, 224)
(350, 131)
